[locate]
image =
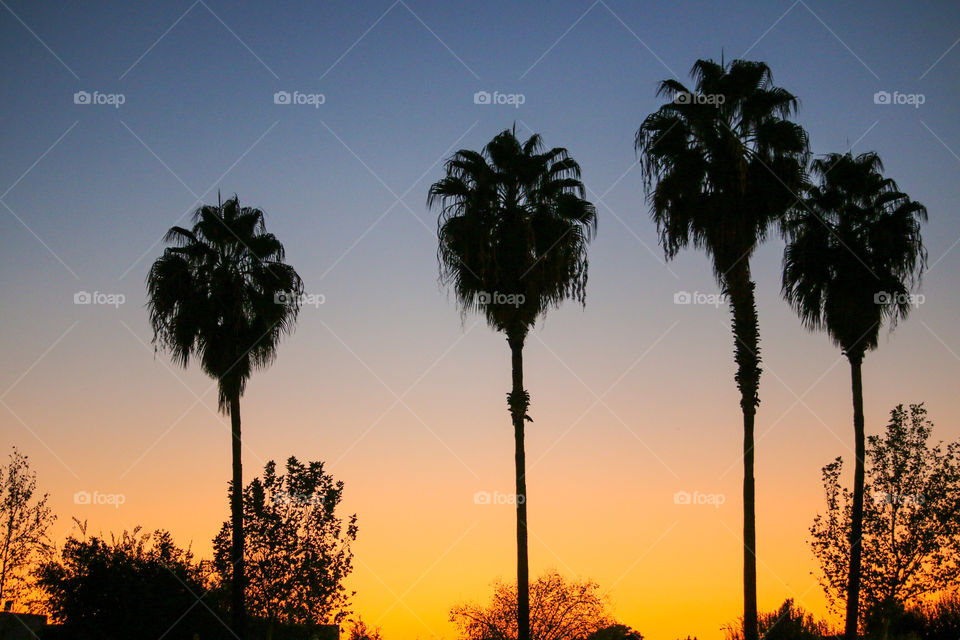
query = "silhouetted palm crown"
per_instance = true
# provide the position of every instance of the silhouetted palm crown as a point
(723, 159)
(223, 294)
(513, 221)
(855, 251)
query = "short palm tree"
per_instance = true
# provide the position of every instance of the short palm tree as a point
(721, 164)
(223, 295)
(513, 231)
(854, 252)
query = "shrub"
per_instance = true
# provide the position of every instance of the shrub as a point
(789, 622)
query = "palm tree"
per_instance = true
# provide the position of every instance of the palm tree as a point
(854, 252)
(223, 295)
(720, 165)
(513, 231)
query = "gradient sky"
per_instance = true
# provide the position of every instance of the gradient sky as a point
(633, 398)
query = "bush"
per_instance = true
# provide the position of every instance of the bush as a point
(560, 609)
(133, 586)
(941, 619)
(616, 632)
(789, 622)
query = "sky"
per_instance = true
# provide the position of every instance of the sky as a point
(121, 118)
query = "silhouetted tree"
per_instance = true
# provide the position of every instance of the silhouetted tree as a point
(513, 231)
(616, 632)
(360, 630)
(721, 163)
(560, 610)
(297, 548)
(132, 586)
(789, 622)
(911, 528)
(224, 296)
(854, 250)
(941, 618)
(24, 520)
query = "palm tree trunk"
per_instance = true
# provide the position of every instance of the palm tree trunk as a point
(856, 524)
(740, 288)
(519, 401)
(236, 515)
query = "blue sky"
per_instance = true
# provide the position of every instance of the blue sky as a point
(398, 81)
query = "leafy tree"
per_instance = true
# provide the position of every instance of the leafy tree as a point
(223, 295)
(513, 231)
(297, 546)
(616, 632)
(854, 250)
(559, 610)
(789, 622)
(132, 586)
(359, 630)
(721, 164)
(24, 520)
(911, 526)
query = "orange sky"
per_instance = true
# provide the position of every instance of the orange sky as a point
(602, 472)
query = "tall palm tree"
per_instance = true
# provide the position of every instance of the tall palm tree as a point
(720, 165)
(513, 231)
(224, 296)
(854, 252)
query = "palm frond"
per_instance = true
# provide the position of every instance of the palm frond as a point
(854, 251)
(513, 223)
(223, 294)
